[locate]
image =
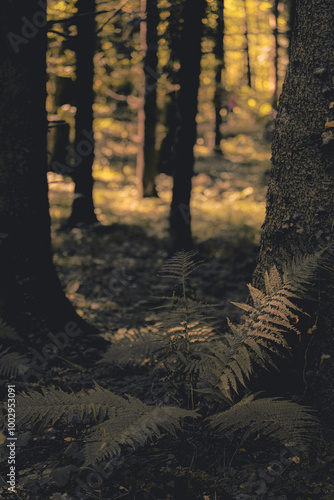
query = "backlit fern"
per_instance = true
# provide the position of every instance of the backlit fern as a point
(198, 360)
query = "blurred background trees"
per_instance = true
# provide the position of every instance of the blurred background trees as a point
(134, 86)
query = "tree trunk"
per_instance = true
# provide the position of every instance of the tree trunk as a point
(166, 163)
(300, 199)
(220, 61)
(190, 60)
(61, 92)
(83, 205)
(30, 288)
(147, 159)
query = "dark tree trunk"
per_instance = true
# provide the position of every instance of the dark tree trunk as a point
(83, 205)
(166, 163)
(147, 160)
(249, 71)
(168, 144)
(190, 60)
(62, 92)
(220, 61)
(30, 288)
(300, 199)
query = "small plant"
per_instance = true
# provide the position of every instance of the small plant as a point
(210, 371)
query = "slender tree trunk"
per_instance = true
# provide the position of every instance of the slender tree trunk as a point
(83, 206)
(30, 288)
(167, 148)
(300, 200)
(61, 93)
(190, 60)
(249, 72)
(220, 61)
(147, 159)
(166, 163)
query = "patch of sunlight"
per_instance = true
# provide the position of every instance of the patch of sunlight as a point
(201, 150)
(123, 205)
(244, 149)
(57, 182)
(232, 213)
(106, 174)
(265, 109)
(251, 103)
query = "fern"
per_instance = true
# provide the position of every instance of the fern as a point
(262, 334)
(132, 347)
(13, 364)
(52, 405)
(125, 421)
(7, 332)
(132, 426)
(180, 266)
(273, 418)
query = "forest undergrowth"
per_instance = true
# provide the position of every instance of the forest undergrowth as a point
(112, 274)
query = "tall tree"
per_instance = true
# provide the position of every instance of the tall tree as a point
(300, 199)
(147, 116)
(29, 284)
(61, 90)
(220, 62)
(190, 61)
(83, 205)
(171, 115)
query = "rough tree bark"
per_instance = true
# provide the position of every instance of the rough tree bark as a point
(147, 157)
(30, 288)
(83, 205)
(300, 200)
(190, 60)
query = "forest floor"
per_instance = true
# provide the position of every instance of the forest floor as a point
(112, 278)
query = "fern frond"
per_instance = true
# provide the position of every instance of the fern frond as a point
(7, 332)
(133, 347)
(132, 426)
(180, 266)
(51, 405)
(266, 323)
(273, 418)
(13, 364)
